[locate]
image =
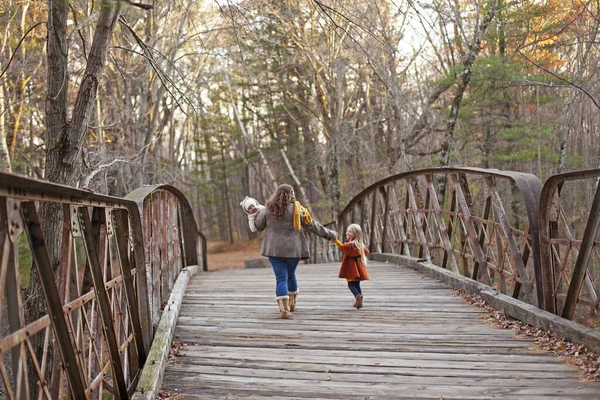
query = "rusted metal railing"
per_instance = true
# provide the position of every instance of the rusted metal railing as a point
(323, 250)
(484, 229)
(570, 245)
(501, 228)
(92, 339)
(120, 257)
(168, 219)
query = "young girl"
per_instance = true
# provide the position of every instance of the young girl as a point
(354, 261)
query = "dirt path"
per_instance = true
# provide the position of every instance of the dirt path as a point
(223, 255)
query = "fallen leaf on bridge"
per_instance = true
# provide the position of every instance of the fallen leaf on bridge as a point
(577, 355)
(176, 348)
(166, 395)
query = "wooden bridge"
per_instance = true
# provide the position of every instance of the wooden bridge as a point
(129, 310)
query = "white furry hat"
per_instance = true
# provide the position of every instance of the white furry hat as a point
(247, 202)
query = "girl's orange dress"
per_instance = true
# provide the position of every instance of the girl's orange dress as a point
(352, 267)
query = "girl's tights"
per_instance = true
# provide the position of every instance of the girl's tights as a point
(354, 287)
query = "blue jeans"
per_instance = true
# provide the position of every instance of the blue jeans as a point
(354, 287)
(285, 274)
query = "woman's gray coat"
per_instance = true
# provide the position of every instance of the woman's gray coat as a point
(282, 240)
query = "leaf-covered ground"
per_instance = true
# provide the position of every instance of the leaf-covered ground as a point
(223, 255)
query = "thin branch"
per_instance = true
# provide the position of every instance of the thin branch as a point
(128, 160)
(162, 76)
(115, 62)
(100, 168)
(588, 94)
(372, 62)
(159, 74)
(17, 48)
(243, 129)
(333, 10)
(140, 5)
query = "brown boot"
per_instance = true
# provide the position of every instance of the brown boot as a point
(359, 301)
(293, 296)
(284, 306)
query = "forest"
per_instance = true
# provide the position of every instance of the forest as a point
(225, 98)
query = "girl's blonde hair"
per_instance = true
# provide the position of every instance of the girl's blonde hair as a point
(358, 241)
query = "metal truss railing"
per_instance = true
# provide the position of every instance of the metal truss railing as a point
(101, 301)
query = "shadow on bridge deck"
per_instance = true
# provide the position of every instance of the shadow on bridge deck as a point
(414, 338)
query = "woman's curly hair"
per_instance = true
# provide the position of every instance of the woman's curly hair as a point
(281, 198)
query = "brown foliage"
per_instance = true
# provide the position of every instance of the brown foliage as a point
(223, 255)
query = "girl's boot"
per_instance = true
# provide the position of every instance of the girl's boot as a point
(359, 301)
(284, 306)
(293, 296)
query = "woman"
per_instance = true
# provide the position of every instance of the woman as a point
(285, 243)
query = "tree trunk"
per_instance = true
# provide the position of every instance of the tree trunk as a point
(464, 79)
(574, 100)
(20, 87)
(397, 141)
(336, 120)
(5, 164)
(310, 154)
(296, 180)
(488, 138)
(210, 207)
(245, 136)
(56, 137)
(334, 185)
(566, 128)
(65, 140)
(229, 228)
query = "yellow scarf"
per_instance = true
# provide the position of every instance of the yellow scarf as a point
(299, 210)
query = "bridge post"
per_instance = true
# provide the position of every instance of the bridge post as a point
(59, 323)
(139, 257)
(585, 251)
(122, 229)
(373, 222)
(418, 221)
(103, 304)
(512, 245)
(386, 215)
(463, 205)
(435, 205)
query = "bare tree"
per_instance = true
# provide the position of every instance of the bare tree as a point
(65, 137)
(467, 60)
(584, 51)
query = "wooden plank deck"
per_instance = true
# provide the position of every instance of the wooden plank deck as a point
(414, 338)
